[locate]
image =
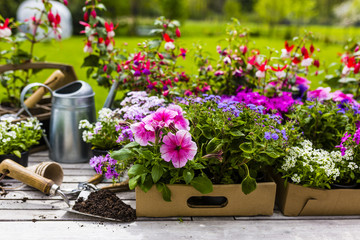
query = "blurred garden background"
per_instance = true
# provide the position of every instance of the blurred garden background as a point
(270, 22)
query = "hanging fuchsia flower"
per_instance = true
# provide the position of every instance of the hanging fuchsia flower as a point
(178, 148)
(66, 2)
(93, 13)
(177, 32)
(180, 121)
(183, 52)
(307, 61)
(227, 60)
(285, 53)
(109, 29)
(88, 48)
(86, 16)
(141, 135)
(161, 118)
(279, 72)
(261, 69)
(109, 43)
(243, 49)
(5, 31)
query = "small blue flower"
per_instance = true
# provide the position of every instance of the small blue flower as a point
(284, 134)
(267, 135)
(311, 106)
(274, 136)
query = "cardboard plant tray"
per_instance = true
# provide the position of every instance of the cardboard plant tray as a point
(225, 200)
(296, 200)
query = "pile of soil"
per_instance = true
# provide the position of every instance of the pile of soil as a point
(106, 204)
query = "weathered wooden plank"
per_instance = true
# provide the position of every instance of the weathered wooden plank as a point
(37, 195)
(247, 230)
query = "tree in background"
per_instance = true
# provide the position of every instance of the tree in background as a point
(174, 9)
(272, 11)
(232, 9)
(302, 11)
(198, 9)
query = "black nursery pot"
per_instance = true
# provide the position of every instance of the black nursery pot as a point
(344, 186)
(102, 152)
(22, 161)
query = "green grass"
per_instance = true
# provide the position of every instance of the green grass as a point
(70, 51)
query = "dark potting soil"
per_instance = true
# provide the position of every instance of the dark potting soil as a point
(106, 204)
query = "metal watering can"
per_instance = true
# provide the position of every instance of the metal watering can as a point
(70, 104)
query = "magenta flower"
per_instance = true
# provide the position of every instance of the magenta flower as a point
(339, 96)
(320, 93)
(141, 134)
(180, 122)
(178, 148)
(159, 119)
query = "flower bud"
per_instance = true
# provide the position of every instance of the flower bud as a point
(51, 17)
(177, 32)
(66, 2)
(86, 16)
(93, 13)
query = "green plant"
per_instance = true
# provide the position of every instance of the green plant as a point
(236, 141)
(41, 25)
(19, 137)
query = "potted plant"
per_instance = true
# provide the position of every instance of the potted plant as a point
(112, 130)
(327, 156)
(201, 147)
(18, 138)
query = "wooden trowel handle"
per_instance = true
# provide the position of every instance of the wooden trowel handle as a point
(54, 81)
(16, 171)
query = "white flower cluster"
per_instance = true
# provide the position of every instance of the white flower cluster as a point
(138, 104)
(306, 157)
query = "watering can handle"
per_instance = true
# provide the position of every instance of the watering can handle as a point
(22, 98)
(16, 171)
(54, 81)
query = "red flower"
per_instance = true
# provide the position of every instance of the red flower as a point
(287, 47)
(177, 32)
(183, 52)
(51, 17)
(167, 38)
(312, 49)
(93, 13)
(160, 56)
(86, 16)
(351, 62)
(278, 69)
(296, 60)
(357, 68)
(261, 67)
(304, 52)
(316, 63)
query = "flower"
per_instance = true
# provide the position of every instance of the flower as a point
(5, 31)
(180, 121)
(141, 134)
(159, 119)
(177, 32)
(320, 93)
(178, 148)
(109, 29)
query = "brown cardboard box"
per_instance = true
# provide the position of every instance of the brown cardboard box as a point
(233, 202)
(296, 200)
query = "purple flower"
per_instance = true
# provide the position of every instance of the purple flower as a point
(274, 136)
(267, 135)
(284, 134)
(137, 73)
(146, 72)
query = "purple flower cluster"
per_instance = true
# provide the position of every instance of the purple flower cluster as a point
(105, 165)
(280, 103)
(125, 134)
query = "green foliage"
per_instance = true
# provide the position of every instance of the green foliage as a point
(231, 142)
(232, 9)
(323, 123)
(174, 9)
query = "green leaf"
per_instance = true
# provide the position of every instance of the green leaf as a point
(237, 133)
(188, 175)
(17, 153)
(214, 145)
(147, 183)
(272, 154)
(247, 147)
(248, 184)
(207, 132)
(165, 191)
(197, 166)
(156, 173)
(91, 61)
(133, 182)
(137, 169)
(122, 154)
(131, 145)
(202, 184)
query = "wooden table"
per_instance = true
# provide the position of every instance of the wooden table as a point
(26, 213)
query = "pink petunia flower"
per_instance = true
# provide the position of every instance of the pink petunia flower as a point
(178, 148)
(180, 122)
(141, 134)
(339, 96)
(159, 119)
